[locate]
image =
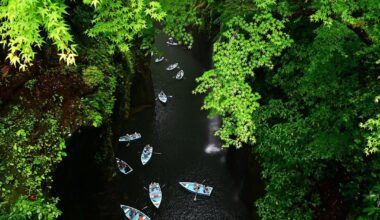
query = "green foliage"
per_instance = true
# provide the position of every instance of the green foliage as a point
(99, 106)
(246, 44)
(372, 204)
(121, 22)
(315, 65)
(30, 84)
(314, 124)
(182, 14)
(101, 73)
(92, 76)
(21, 26)
(373, 138)
(28, 159)
(38, 209)
(296, 80)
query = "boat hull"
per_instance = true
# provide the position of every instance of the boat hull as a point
(130, 137)
(172, 66)
(179, 75)
(123, 166)
(171, 43)
(132, 213)
(155, 194)
(157, 60)
(146, 154)
(162, 97)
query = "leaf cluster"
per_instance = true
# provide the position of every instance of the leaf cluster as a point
(23, 25)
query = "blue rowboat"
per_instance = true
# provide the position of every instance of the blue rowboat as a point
(172, 66)
(155, 194)
(130, 137)
(133, 214)
(162, 97)
(179, 75)
(197, 188)
(171, 42)
(123, 166)
(159, 59)
(146, 154)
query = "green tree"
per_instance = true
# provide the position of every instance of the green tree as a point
(296, 80)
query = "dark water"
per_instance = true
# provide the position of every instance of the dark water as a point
(190, 152)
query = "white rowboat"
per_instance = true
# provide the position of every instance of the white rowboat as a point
(133, 214)
(146, 154)
(130, 137)
(123, 166)
(171, 42)
(172, 66)
(197, 188)
(159, 59)
(179, 75)
(155, 194)
(162, 97)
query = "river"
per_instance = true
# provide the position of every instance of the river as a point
(190, 152)
(183, 134)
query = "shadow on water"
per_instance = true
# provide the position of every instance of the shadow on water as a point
(190, 152)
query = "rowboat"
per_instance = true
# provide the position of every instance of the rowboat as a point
(133, 214)
(155, 194)
(197, 188)
(123, 166)
(172, 66)
(162, 97)
(146, 154)
(130, 137)
(179, 75)
(171, 42)
(159, 59)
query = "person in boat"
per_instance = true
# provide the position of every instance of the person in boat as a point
(205, 190)
(133, 213)
(122, 164)
(196, 187)
(141, 217)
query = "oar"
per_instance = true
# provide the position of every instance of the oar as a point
(196, 193)
(144, 207)
(145, 188)
(157, 153)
